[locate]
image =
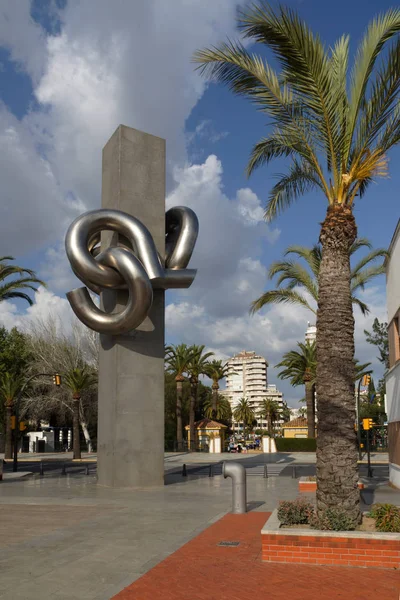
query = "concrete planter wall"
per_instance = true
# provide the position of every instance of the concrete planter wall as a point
(350, 548)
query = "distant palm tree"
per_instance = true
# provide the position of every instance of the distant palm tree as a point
(196, 366)
(11, 289)
(336, 125)
(177, 359)
(243, 413)
(216, 370)
(10, 387)
(222, 412)
(298, 278)
(270, 411)
(78, 380)
(300, 367)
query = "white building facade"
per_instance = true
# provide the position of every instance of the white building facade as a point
(247, 378)
(393, 375)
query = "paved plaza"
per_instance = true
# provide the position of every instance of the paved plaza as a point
(65, 537)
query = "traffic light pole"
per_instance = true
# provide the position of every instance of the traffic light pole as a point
(358, 420)
(16, 430)
(369, 473)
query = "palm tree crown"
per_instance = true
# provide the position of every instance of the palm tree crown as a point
(337, 134)
(79, 380)
(11, 289)
(298, 278)
(178, 358)
(222, 412)
(217, 370)
(243, 413)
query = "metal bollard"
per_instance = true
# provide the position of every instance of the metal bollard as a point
(265, 471)
(184, 474)
(238, 474)
(294, 472)
(87, 469)
(41, 469)
(210, 472)
(63, 470)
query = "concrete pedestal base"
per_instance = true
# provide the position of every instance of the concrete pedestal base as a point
(131, 367)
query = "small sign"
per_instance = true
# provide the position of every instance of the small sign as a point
(228, 544)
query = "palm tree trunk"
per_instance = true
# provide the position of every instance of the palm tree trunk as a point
(215, 388)
(269, 425)
(192, 406)
(310, 408)
(8, 446)
(76, 432)
(337, 472)
(179, 393)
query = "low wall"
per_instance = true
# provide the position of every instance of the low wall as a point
(351, 548)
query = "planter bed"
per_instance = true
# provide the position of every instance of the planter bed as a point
(309, 484)
(346, 548)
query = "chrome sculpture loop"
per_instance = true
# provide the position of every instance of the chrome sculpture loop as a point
(135, 265)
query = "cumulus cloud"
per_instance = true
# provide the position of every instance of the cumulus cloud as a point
(47, 305)
(110, 63)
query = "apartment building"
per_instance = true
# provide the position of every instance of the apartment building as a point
(247, 378)
(393, 375)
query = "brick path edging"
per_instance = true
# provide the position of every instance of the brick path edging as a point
(351, 549)
(305, 485)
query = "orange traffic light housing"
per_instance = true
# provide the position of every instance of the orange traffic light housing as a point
(57, 380)
(13, 422)
(366, 380)
(22, 426)
(368, 424)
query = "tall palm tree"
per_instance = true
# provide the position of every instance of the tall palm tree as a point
(221, 412)
(300, 367)
(336, 128)
(270, 411)
(12, 289)
(177, 359)
(10, 387)
(196, 366)
(298, 278)
(243, 413)
(78, 380)
(216, 370)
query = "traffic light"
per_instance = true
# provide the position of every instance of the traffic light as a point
(366, 380)
(22, 426)
(57, 380)
(368, 424)
(13, 422)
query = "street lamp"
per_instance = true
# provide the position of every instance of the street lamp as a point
(56, 381)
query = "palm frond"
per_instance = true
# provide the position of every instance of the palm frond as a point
(360, 279)
(300, 179)
(281, 296)
(366, 260)
(312, 256)
(306, 66)
(11, 295)
(381, 30)
(361, 305)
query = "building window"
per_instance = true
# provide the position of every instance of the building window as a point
(394, 342)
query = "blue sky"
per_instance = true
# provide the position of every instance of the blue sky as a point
(70, 72)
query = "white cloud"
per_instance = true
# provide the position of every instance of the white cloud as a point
(112, 62)
(47, 304)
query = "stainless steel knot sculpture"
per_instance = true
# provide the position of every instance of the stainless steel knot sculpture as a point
(135, 265)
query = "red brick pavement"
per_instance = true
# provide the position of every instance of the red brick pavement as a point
(201, 570)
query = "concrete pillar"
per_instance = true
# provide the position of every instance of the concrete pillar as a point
(131, 367)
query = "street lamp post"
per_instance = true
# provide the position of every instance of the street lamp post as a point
(57, 381)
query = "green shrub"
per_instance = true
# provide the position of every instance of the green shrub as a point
(295, 512)
(296, 444)
(332, 519)
(387, 517)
